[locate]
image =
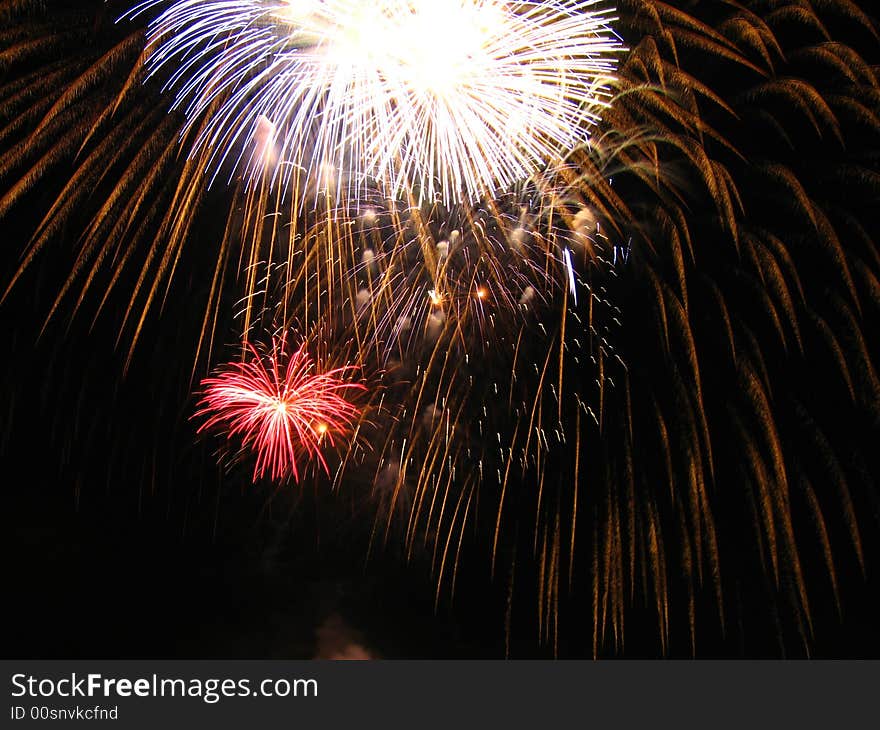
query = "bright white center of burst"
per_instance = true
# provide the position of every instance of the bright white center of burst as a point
(440, 45)
(432, 46)
(454, 98)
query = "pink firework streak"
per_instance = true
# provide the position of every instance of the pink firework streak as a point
(280, 407)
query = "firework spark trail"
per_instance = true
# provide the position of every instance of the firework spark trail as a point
(459, 408)
(454, 98)
(693, 260)
(280, 408)
(451, 360)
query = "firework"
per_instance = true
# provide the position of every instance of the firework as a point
(280, 407)
(731, 464)
(453, 97)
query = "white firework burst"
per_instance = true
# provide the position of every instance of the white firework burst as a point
(449, 99)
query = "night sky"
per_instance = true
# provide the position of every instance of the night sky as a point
(127, 538)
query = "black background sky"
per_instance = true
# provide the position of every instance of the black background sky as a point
(125, 539)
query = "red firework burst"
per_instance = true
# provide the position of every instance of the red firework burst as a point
(280, 407)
